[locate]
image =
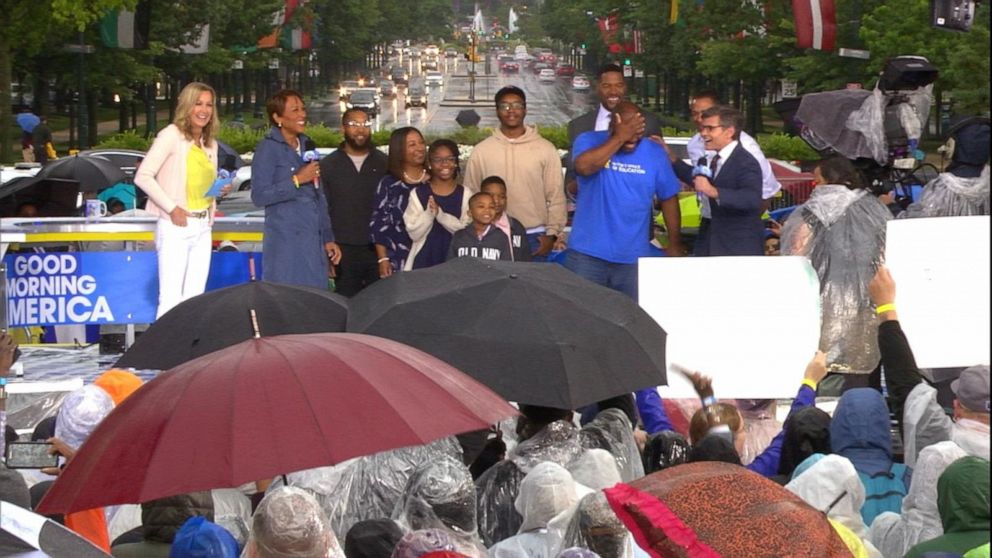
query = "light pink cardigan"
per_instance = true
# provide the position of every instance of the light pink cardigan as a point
(162, 174)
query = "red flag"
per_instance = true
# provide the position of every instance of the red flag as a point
(816, 24)
(608, 27)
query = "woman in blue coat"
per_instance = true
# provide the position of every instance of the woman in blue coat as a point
(298, 238)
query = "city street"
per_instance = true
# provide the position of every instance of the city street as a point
(548, 104)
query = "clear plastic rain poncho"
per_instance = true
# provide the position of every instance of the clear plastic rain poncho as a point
(596, 527)
(894, 534)
(440, 495)
(611, 430)
(842, 232)
(545, 492)
(498, 487)
(417, 543)
(368, 487)
(81, 412)
(949, 195)
(832, 486)
(290, 523)
(595, 469)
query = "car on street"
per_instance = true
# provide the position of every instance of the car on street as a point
(547, 75)
(538, 66)
(346, 87)
(433, 77)
(428, 64)
(580, 83)
(521, 56)
(565, 70)
(450, 53)
(416, 94)
(387, 89)
(509, 67)
(365, 99)
(398, 75)
(431, 50)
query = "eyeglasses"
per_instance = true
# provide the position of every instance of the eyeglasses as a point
(357, 124)
(507, 107)
(710, 128)
(443, 160)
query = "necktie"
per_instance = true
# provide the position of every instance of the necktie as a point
(715, 164)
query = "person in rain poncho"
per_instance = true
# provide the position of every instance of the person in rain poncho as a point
(440, 495)
(964, 188)
(841, 230)
(963, 503)
(830, 484)
(426, 541)
(665, 449)
(367, 487)
(612, 431)
(372, 538)
(290, 523)
(543, 438)
(894, 534)
(80, 413)
(807, 431)
(546, 491)
(596, 527)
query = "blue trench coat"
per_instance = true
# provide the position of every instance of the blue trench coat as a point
(297, 222)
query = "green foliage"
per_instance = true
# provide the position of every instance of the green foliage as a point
(467, 136)
(241, 138)
(557, 135)
(381, 137)
(324, 136)
(786, 148)
(130, 139)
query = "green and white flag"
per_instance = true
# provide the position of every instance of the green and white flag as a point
(123, 29)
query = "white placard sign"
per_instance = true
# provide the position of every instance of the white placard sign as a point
(941, 269)
(751, 323)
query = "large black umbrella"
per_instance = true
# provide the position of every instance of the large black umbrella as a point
(52, 196)
(93, 172)
(224, 317)
(467, 118)
(534, 333)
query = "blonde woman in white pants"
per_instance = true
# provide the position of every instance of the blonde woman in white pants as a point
(177, 173)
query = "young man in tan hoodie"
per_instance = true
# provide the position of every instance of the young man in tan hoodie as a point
(531, 167)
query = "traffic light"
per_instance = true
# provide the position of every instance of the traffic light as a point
(626, 61)
(583, 45)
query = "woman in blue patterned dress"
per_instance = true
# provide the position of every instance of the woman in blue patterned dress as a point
(407, 170)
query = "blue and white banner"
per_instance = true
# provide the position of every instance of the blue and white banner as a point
(98, 287)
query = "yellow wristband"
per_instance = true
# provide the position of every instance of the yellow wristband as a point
(810, 383)
(885, 308)
(296, 181)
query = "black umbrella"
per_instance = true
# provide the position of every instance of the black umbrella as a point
(468, 118)
(47, 538)
(534, 333)
(52, 196)
(228, 157)
(93, 172)
(225, 317)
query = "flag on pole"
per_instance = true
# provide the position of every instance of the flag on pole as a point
(608, 27)
(816, 24)
(638, 41)
(199, 45)
(512, 21)
(673, 12)
(123, 29)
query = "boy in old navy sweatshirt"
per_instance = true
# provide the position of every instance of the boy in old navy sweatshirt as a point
(482, 239)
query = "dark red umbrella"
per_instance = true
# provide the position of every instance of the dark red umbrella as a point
(270, 406)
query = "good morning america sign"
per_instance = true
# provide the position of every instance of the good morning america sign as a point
(97, 287)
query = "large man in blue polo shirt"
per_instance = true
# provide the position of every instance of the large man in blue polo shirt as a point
(619, 175)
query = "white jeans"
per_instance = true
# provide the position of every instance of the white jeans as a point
(183, 261)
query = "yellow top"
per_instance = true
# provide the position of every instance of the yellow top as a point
(200, 176)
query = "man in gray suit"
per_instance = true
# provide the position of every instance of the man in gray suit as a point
(611, 89)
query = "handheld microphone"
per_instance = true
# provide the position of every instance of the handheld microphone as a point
(223, 174)
(702, 169)
(310, 154)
